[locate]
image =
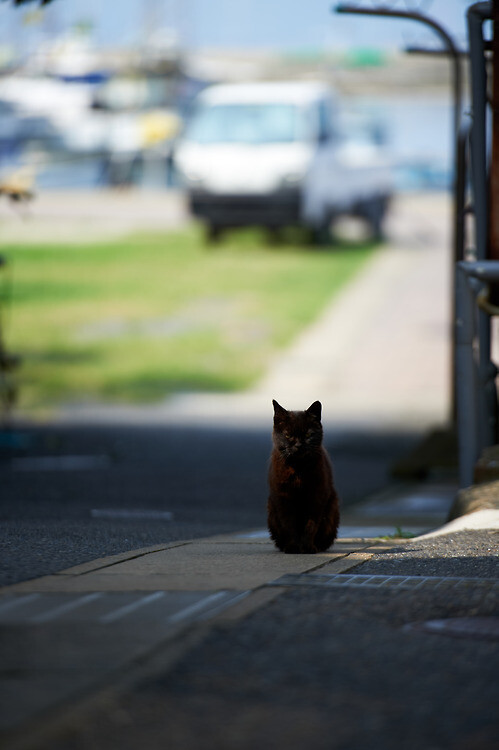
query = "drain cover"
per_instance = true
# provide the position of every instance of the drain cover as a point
(478, 628)
(345, 580)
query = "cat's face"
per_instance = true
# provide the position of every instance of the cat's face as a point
(297, 433)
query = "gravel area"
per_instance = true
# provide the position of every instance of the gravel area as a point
(471, 554)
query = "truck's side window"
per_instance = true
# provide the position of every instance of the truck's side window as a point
(325, 121)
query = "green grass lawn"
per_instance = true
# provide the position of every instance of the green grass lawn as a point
(137, 319)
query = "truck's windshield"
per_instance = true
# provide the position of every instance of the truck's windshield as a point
(247, 123)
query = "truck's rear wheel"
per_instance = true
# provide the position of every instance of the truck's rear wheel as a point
(375, 215)
(213, 233)
(323, 235)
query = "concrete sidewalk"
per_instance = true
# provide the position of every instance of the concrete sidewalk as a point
(225, 643)
(80, 216)
(140, 649)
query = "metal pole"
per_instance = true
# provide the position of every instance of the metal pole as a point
(461, 169)
(493, 253)
(466, 372)
(476, 381)
(477, 14)
(449, 45)
(487, 396)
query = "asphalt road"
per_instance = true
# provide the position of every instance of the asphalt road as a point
(75, 493)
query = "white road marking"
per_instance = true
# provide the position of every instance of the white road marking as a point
(197, 607)
(125, 514)
(59, 463)
(12, 603)
(62, 609)
(117, 614)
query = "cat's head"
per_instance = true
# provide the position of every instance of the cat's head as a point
(297, 433)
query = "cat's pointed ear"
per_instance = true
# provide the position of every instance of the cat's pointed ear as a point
(279, 411)
(315, 410)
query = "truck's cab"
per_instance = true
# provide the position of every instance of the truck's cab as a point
(270, 154)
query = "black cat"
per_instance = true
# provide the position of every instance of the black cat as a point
(303, 506)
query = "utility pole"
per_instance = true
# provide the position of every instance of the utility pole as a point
(493, 250)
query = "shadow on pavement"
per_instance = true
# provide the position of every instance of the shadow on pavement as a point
(73, 493)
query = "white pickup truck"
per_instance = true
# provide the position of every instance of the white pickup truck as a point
(271, 154)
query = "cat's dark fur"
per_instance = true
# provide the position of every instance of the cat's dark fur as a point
(303, 507)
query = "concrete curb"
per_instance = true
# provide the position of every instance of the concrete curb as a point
(475, 498)
(480, 520)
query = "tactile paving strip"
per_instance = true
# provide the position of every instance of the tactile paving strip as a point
(344, 580)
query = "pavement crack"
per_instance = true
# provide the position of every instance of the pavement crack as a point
(135, 556)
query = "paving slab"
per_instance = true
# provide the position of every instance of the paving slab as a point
(231, 562)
